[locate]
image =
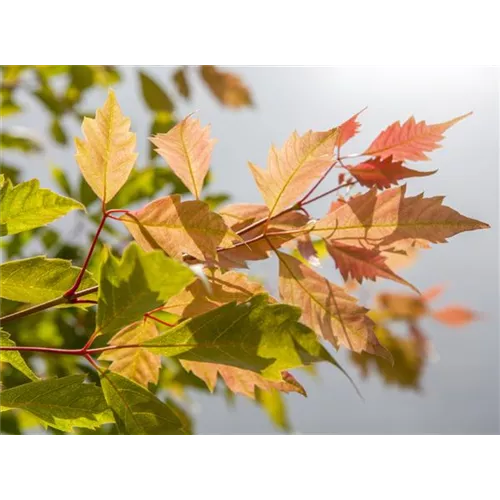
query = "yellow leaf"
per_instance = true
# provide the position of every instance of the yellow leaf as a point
(293, 169)
(106, 156)
(137, 364)
(179, 228)
(327, 308)
(187, 148)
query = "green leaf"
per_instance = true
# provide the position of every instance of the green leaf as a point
(59, 175)
(14, 358)
(154, 95)
(274, 405)
(39, 279)
(254, 335)
(26, 206)
(135, 284)
(137, 411)
(57, 132)
(62, 403)
(23, 144)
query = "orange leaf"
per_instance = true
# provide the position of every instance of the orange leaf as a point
(349, 129)
(327, 308)
(293, 169)
(240, 215)
(410, 140)
(187, 148)
(241, 381)
(402, 306)
(359, 263)
(455, 315)
(179, 228)
(226, 87)
(225, 287)
(383, 173)
(135, 363)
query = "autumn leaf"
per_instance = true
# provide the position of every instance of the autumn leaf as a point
(187, 148)
(401, 306)
(241, 215)
(179, 228)
(137, 363)
(254, 335)
(386, 218)
(226, 287)
(358, 263)
(327, 308)
(106, 156)
(226, 87)
(181, 83)
(241, 381)
(349, 129)
(411, 140)
(294, 168)
(383, 173)
(455, 315)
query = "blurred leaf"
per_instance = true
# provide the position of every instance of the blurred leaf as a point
(50, 238)
(106, 75)
(215, 200)
(49, 99)
(10, 172)
(57, 132)
(273, 404)
(7, 105)
(181, 82)
(59, 175)
(23, 144)
(154, 96)
(226, 87)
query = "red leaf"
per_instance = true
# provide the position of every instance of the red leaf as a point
(359, 263)
(455, 316)
(349, 129)
(410, 140)
(383, 173)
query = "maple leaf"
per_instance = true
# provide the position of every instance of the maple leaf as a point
(349, 129)
(411, 140)
(106, 156)
(179, 227)
(241, 381)
(254, 246)
(240, 215)
(400, 306)
(455, 315)
(327, 308)
(359, 263)
(137, 364)
(187, 148)
(225, 287)
(389, 217)
(383, 173)
(293, 169)
(226, 87)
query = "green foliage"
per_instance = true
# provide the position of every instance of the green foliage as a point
(135, 284)
(62, 403)
(13, 357)
(26, 206)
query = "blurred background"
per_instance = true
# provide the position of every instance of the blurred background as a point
(452, 389)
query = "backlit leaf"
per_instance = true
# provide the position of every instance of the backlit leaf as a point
(187, 148)
(62, 403)
(293, 169)
(383, 173)
(38, 279)
(137, 411)
(411, 140)
(348, 129)
(327, 308)
(181, 83)
(179, 227)
(254, 335)
(135, 284)
(106, 156)
(14, 358)
(137, 364)
(26, 206)
(455, 315)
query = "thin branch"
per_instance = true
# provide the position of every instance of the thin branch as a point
(346, 184)
(47, 305)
